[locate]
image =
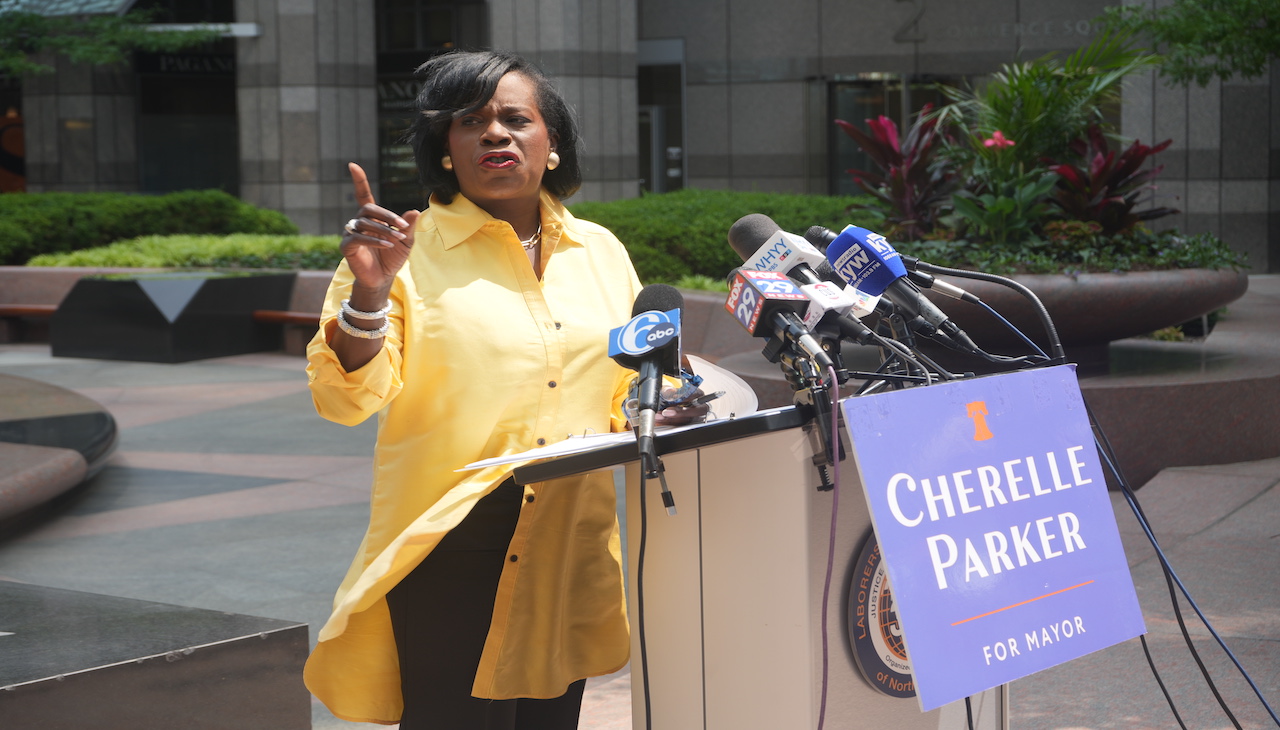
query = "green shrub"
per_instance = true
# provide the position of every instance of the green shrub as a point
(38, 223)
(238, 250)
(681, 234)
(687, 232)
(1080, 250)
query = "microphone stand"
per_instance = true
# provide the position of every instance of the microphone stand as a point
(650, 465)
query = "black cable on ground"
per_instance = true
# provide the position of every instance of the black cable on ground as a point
(1146, 650)
(1171, 578)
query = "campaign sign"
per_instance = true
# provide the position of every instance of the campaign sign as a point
(990, 505)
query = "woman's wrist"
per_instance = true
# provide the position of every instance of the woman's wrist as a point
(369, 299)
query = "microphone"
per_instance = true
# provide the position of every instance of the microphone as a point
(650, 345)
(653, 334)
(763, 246)
(822, 238)
(767, 303)
(868, 262)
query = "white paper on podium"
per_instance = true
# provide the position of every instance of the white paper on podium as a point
(577, 445)
(739, 400)
(571, 445)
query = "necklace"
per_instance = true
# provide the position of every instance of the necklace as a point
(533, 240)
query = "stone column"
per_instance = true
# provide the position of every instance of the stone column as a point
(588, 48)
(80, 128)
(307, 105)
(1219, 171)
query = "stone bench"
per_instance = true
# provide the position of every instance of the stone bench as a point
(71, 659)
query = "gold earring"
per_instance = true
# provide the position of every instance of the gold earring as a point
(447, 163)
(553, 161)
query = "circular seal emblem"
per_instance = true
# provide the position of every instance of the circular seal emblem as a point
(875, 636)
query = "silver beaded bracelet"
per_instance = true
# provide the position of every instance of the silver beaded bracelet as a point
(353, 313)
(354, 331)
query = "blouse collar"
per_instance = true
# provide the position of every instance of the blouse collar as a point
(461, 219)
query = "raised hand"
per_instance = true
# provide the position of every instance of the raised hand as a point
(376, 242)
(376, 245)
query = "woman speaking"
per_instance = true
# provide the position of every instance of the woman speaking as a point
(475, 329)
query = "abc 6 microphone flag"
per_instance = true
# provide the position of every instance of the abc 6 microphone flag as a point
(645, 333)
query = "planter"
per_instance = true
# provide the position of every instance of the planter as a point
(169, 318)
(1092, 310)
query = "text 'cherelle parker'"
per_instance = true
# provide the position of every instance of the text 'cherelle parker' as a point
(914, 500)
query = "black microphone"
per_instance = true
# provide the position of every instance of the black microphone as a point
(764, 246)
(650, 345)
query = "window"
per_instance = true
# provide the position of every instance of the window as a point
(408, 33)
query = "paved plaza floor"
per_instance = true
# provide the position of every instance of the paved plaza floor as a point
(227, 492)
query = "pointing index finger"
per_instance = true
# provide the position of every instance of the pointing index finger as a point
(360, 182)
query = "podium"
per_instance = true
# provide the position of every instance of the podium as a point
(733, 584)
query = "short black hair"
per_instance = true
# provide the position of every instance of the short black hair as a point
(460, 82)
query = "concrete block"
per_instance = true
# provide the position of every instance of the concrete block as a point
(1244, 196)
(297, 51)
(1246, 127)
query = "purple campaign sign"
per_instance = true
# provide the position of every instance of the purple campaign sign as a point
(991, 509)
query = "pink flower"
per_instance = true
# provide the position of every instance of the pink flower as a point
(998, 140)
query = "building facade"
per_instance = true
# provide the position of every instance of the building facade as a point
(737, 94)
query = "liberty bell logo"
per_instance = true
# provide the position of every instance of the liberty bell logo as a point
(978, 412)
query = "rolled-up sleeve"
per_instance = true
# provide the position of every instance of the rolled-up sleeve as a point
(345, 397)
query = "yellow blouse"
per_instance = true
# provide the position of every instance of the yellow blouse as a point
(482, 359)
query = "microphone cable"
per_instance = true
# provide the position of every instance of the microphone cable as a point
(1021, 335)
(1171, 578)
(1051, 330)
(831, 543)
(831, 558)
(644, 649)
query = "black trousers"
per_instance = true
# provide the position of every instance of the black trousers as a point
(440, 614)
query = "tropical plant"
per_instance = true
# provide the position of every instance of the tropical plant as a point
(1008, 213)
(1043, 105)
(1102, 186)
(914, 183)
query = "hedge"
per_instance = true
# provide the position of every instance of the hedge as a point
(238, 250)
(38, 223)
(671, 237)
(686, 232)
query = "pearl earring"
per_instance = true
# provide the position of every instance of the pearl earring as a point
(447, 163)
(553, 161)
